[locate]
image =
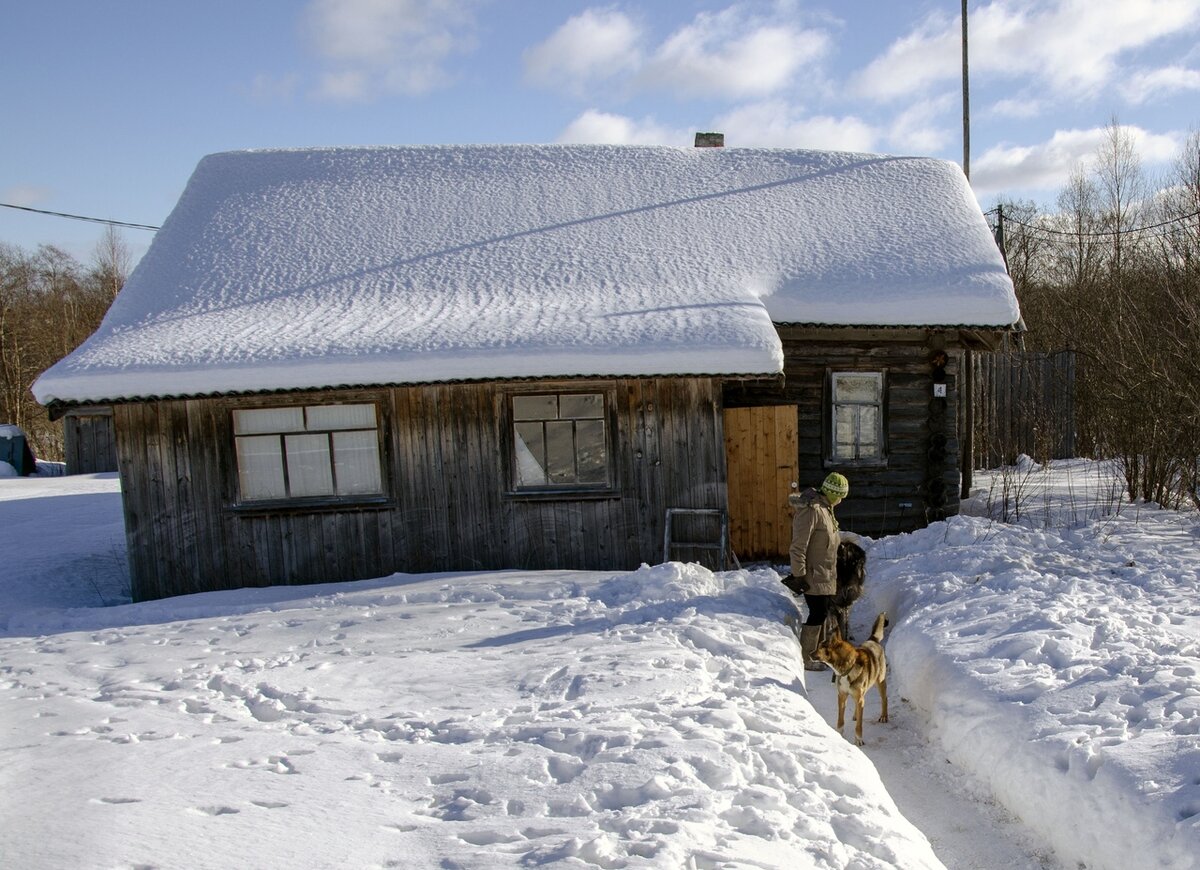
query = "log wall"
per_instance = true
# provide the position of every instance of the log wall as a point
(902, 493)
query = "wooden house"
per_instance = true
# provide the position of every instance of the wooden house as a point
(342, 363)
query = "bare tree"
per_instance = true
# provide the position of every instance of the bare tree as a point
(1123, 188)
(113, 261)
(1116, 278)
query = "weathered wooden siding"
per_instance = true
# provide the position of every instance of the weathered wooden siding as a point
(448, 508)
(1024, 403)
(89, 445)
(901, 494)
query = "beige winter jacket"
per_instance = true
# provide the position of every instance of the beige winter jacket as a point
(815, 540)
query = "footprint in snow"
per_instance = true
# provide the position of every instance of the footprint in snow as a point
(216, 811)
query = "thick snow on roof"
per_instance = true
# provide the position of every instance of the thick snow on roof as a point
(354, 266)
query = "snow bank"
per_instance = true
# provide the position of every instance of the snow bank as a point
(1061, 667)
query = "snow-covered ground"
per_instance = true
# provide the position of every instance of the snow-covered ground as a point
(656, 718)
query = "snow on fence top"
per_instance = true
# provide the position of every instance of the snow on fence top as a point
(283, 269)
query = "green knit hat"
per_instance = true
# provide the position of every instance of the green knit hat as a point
(835, 485)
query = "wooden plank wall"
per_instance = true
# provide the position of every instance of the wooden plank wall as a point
(883, 499)
(448, 508)
(88, 442)
(1024, 403)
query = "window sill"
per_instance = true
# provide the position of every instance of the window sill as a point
(311, 506)
(856, 463)
(562, 494)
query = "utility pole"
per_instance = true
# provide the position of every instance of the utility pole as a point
(966, 99)
(967, 394)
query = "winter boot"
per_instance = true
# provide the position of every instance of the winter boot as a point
(810, 637)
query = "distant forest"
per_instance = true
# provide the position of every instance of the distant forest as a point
(49, 303)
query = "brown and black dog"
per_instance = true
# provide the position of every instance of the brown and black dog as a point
(857, 669)
(851, 573)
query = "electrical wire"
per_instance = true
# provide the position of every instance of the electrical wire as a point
(1097, 234)
(79, 217)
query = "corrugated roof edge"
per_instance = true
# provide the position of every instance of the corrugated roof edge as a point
(57, 408)
(1018, 326)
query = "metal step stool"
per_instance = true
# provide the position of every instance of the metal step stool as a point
(721, 545)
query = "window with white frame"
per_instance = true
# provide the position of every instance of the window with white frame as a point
(311, 451)
(857, 416)
(560, 440)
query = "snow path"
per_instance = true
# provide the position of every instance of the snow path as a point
(967, 829)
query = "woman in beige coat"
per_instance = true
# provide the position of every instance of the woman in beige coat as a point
(815, 539)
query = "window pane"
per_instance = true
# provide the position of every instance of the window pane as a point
(843, 433)
(260, 467)
(309, 472)
(356, 463)
(535, 407)
(590, 406)
(341, 416)
(856, 388)
(258, 420)
(591, 451)
(531, 454)
(868, 433)
(560, 451)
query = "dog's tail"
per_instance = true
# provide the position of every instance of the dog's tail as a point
(881, 622)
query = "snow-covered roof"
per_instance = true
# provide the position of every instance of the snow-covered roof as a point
(286, 269)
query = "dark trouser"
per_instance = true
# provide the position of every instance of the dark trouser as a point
(818, 608)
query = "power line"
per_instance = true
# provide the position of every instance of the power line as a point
(79, 217)
(1098, 233)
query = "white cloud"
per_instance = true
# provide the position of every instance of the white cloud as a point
(386, 46)
(27, 195)
(593, 45)
(1151, 84)
(932, 53)
(344, 86)
(916, 130)
(1016, 107)
(775, 124)
(730, 54)
(601, 128)
(1046, 166)
(1073, 47)
(270, 89)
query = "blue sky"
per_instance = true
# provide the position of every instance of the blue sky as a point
(108, 106)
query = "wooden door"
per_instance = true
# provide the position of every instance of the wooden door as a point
(763, 468)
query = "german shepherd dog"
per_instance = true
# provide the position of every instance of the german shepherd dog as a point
(857, 669)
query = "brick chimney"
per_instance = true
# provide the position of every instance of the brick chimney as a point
(710, 140)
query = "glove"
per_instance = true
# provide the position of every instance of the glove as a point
(796, 585)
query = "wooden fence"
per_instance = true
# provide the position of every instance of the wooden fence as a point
(1024, 402)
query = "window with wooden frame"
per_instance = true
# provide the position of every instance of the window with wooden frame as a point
(328, 452)
(560, 441)
(856, 417)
